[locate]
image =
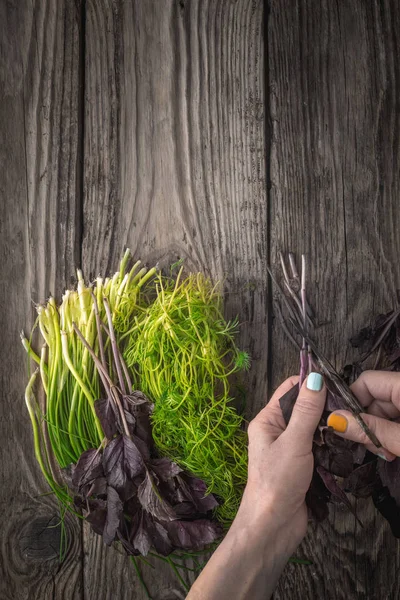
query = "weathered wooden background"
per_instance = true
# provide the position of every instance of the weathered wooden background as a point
(219, 131)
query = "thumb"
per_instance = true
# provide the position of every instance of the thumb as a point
(387, 432)
(307, 412)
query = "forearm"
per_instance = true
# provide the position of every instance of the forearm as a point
(246, 565)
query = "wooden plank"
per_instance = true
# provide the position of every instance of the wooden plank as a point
(175, 167)
(39, 246)
(334, 78)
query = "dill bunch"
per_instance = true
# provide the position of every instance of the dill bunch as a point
(183, 354)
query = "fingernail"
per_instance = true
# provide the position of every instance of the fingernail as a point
(315, 382)
(337, 422)
(381, 456)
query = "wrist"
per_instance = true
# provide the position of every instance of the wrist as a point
(274, 532)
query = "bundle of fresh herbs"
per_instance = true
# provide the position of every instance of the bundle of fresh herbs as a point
(341, 466)
(182, 351)
(137, 411)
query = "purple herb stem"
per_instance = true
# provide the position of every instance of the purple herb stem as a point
(124, 367)
(303, 366)
(304, 362)
(292, 262)
(114, 346)
(99, 334)
(107, 382)
(114, 393)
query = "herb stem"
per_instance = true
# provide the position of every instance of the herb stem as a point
(99, 334)
(179, 576)
(140, 577)
(114, 347)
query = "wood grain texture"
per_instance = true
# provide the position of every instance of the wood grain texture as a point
(334, 76)
(175, 167)
(171, 124)
(39, 242)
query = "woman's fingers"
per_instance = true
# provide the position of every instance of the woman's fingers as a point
(307, 412)
(381, 388)
(387, 432)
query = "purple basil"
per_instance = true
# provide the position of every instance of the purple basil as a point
(164, 468)
(195, 535)
(114, 514)
(106, 414)
(88, 468)
(332, 485)
(122, 461)
(152, 501)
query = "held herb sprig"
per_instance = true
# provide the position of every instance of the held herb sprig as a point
(360, 472)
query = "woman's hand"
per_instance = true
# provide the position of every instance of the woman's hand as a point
(272, 518)
(379, 393)
(281, 463)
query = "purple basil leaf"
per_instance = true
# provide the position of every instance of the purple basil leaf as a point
(363, 481)
(80, 503)
(97, 519)
(114, 514)
(334, 441)
(132, 506)
(339, 444)
(143, 428)
(141, 540)
(164, 468)
(169, 490)
(137, 398)
(140, 407)
(287, 402)
(134, 464)
(334, 402)
(317, 499)
(158, 535)
(338, 461)
(195, 490)
(106, 414)
(143, 448)
(149, 533)
(390, 475)
(359, 451)
(388, 508)
(160, 539)
(186, 510)
(127, 545)
(193, 535)
(96, 504)
(113, 463)
(332, 485)
(88, 468)
(151, 500)
(122, 462)
(131, 422)
(98, 487)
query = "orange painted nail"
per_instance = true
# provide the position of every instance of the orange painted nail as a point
(337, 422)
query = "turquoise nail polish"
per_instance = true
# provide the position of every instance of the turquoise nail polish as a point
(382, 456)
(315, 382)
